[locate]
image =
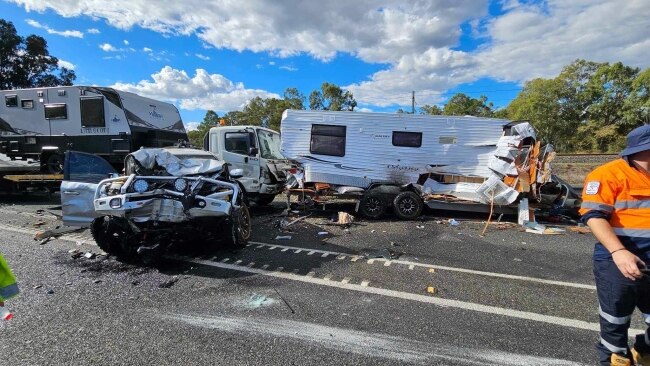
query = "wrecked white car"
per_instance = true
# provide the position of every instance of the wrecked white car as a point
(168, 197)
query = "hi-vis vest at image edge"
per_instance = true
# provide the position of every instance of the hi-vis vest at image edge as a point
(623, 192)
(8, 286)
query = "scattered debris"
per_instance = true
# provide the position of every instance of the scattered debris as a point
(372, 231)
(432, 270)
(517, 259)
(75, 253)
(257, 300)
(393, 244)
(453, 222)
(385, 253)
(89, 255)
(535, 228)
(420, 226)
(432, 290)
(323, 233)
(97, 281)
(50, 292)
(45, 236)
(285, 301)
(284, 223)
(580, 229)
(283, 237)
(345, 218)
(37, 287)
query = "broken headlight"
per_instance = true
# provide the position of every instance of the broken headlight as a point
(180, 184)
(140, 186)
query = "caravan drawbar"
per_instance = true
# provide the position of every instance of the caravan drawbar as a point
(42, 123)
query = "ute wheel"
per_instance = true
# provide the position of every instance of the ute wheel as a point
(113, 238)
(263, 199)
(407, 205)
(54, 164)
(372, 206)
(238, 227)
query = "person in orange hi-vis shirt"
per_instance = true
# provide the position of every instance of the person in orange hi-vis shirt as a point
(616, 206)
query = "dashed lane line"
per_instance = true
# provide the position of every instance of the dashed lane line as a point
(366, 288)
(354, 258)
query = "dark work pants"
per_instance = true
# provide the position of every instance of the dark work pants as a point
(617, 297)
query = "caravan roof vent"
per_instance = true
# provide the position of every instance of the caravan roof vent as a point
(39, 93)
(60, 92)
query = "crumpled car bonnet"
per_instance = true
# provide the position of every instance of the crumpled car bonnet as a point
(175, 166)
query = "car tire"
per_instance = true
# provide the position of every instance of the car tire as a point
(408, 205)
(113, 238)
(237, 230)
(372, 206)
(263, 199)
(54, 164)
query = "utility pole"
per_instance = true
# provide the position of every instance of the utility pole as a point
(413, 102)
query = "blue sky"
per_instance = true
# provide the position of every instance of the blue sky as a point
(217, 55)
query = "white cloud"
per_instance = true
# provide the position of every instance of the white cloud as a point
(65, 33)
(417, 41)
(191, 126)
(147, 50)
(201, 91)
(93, 31)
(126, 42)
(202, 57)
(288, 68)
(107, 47)
(66, 64)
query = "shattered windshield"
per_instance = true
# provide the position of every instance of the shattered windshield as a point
(269, 144)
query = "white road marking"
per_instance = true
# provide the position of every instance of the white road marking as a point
(387, 263)
(311, 252)
(462, 270)
(371, 261)
(265, 266)
(311, 274)
(225, 260)
(398, 349)
(346, 280)
(363, 287)
(250, 265)
(327, 277)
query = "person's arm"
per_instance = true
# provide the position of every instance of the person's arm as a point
(626, 262)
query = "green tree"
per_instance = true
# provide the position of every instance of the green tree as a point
(430, 109)
(463, 105)
(27, 63)
(211, 119)
(588, 107)
(331, 98)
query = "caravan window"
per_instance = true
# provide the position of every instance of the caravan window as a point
(27, 103)
(328, 140)
(407, 139)
(11, 100)
(238, 142)
(56, 111)
(92, 112)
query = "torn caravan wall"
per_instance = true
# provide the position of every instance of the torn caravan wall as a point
(366, 151)
(512, 169)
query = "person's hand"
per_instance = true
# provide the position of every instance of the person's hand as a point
(628, 264)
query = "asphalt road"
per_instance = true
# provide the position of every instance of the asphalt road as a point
(509, 298)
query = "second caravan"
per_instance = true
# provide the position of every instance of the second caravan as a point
(395, 160)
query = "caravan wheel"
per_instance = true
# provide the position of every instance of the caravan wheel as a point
(372, 206)
(408, 205)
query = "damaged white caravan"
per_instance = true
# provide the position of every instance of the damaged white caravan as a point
(403, 160)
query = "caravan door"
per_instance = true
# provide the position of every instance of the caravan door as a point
(241, 152)
(82, 173)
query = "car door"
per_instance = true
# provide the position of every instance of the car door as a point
(241, 152)
(81, 175)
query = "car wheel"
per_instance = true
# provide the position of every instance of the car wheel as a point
(238, 227)
(407, 205)
(113, 238)
(372, 206)
(54, 164)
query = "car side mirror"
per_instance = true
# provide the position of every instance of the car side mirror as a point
(252, 151)
(237, 173)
